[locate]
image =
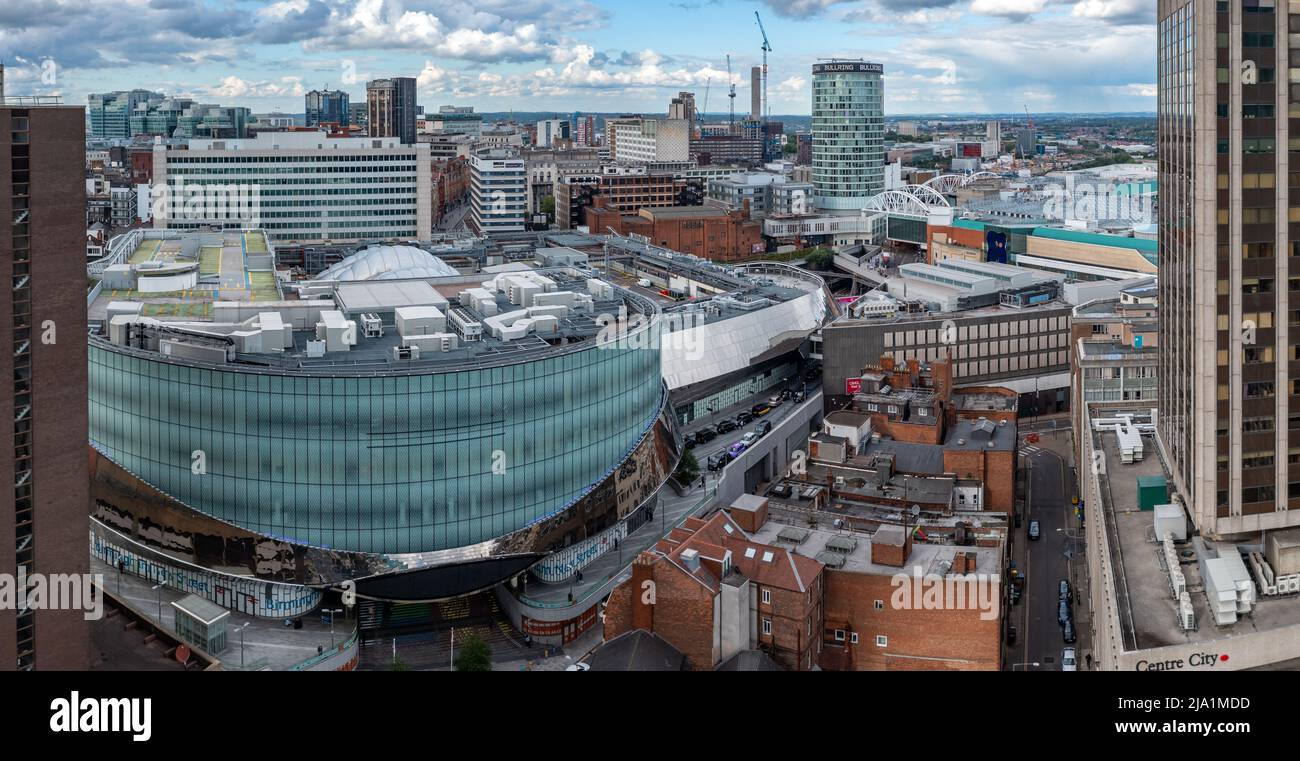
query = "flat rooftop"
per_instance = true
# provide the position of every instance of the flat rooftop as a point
(825, 545)
(381, 297)
(224, 274)
(1147, 611)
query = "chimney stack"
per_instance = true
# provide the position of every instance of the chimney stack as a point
(643, 592)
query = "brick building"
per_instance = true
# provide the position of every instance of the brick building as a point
(754, 579)
(912, 413)
(451, 183)
(704, 232)
(712, 592)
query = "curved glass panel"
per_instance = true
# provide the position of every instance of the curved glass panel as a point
(378, 464)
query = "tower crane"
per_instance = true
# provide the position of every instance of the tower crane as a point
(767, 48)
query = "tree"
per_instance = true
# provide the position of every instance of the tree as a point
(548, 207)
(473, 654)
(688, 469)
(820, 259)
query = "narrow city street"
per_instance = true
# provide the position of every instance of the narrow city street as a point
(1057, 555)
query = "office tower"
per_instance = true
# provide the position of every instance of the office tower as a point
(1026, 142)
(993, 133)
(334, 199)
(45, 503)
(498, 192)
(848, 125)
(585, 131)
(682, 107)
(327, 106)
(551, 130)
(391, 108)
(648, 141)
(359, 115)
(1229, 239)
(110, 113)
(756, 93)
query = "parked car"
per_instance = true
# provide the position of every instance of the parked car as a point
(760, 409)
(745, 418)
(580, 666)
(1069, 662)
(717, 461)
(764, 428)
(1011, 635)
(1035, 531)
(726, 426)
(749, 438)
(775, 401)
(704, 435)
(689, 441)
(1063, 612)
(1067, 632)
(737, 449)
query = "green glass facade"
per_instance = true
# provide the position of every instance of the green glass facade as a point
(391, 463)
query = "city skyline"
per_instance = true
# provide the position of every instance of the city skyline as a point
(940, 56)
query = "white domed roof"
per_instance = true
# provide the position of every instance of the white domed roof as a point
(388, 263)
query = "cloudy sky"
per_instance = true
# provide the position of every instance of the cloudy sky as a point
(941, 56)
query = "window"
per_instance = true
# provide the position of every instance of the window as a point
(882, 640)
(839, 635)
(767, 626)
(767, 597)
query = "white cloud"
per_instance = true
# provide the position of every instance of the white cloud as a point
(1007, 7)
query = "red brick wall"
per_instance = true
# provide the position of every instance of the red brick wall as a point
(793, 615)
(996, 469)
(683, 613)
(918, 640)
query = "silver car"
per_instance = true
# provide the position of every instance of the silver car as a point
(1068, 660)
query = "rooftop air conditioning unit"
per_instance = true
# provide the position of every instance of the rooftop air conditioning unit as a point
(1186, 613)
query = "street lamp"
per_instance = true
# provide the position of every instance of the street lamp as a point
(159, 587)
(332, 611)
(241, 642)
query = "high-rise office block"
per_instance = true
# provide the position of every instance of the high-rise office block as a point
(682, 107)
(551, 130)
(848, 125)
(327, 106)
(1229, 244)
(45, 502)
(756, 92)
(390, 104)
(110, 113)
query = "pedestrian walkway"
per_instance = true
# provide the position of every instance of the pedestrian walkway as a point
(671, 510)
(266, 644)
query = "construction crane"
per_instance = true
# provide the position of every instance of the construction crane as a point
(767, 48)
(731, 120)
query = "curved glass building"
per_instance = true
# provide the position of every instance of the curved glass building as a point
(424, 438)
(848, 126)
